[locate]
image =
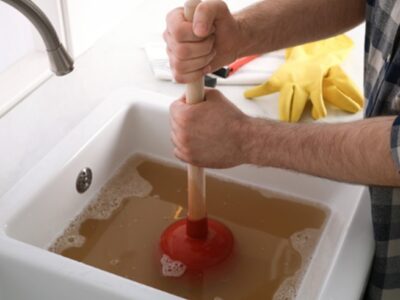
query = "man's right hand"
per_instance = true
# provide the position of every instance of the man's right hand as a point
(198, 48)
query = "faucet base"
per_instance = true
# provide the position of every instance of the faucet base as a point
(60, 61)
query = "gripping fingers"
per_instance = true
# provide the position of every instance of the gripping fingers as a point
(189, 50)
(182, 67)
(180, 29)
(208, 13)
(180, 151)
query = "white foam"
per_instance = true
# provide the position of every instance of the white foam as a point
(304, 243)
(114, 262)
(124, 184)
(172, 268)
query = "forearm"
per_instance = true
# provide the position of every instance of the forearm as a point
(276, 24)
(356, 152)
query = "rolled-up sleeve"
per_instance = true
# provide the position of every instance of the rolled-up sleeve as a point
(395, 142)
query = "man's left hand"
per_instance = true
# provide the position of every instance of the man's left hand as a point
(209, 134)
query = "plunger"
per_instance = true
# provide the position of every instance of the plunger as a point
(197, 241)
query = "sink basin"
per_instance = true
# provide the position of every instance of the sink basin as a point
(42, 204)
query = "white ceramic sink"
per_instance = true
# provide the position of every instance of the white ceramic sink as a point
(37, 209)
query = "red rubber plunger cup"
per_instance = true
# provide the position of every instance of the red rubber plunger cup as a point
(197, 253)
(197, 242)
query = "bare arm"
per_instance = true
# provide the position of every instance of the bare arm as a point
(357, 152)
(272, 25)
(221, 136)
(216, 37)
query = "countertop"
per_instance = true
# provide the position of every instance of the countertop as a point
(117, 60)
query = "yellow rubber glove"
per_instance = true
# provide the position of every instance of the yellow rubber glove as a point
(312, 72)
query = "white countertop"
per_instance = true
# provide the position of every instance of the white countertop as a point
(38, 123)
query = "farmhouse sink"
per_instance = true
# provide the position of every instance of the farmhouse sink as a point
(42, 204)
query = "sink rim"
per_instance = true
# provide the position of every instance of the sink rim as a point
(52, 164)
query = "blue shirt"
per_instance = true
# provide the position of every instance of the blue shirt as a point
(382, 91)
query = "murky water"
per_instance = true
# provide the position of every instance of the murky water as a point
(120, 230)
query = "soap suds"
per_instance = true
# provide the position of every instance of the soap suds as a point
(304, 243)
(124, 184)
(172, 268)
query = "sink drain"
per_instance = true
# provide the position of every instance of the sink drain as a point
(84, 180)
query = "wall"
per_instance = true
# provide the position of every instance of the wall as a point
(89, 20)
(15, 34)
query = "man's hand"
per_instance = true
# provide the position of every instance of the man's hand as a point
(197, 48)
(215, 134)
(216, 37)
(208, 134)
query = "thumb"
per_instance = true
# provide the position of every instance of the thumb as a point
(206, 14)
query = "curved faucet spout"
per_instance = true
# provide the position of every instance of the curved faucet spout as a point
(60, 61)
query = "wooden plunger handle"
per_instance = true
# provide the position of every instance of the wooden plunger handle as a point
(194, 90)
(196, 177)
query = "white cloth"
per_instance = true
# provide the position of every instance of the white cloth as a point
(253, 73)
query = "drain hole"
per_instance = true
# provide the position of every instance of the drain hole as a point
(84, 180)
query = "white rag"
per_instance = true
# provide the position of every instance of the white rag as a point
(255, 72)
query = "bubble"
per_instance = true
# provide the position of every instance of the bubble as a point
(172, 268)
(304, 243)
(124, 184)
(114, 262)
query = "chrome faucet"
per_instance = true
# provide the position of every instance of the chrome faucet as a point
(60, 61)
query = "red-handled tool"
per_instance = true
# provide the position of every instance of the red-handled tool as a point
(225, 72)
(233, 67)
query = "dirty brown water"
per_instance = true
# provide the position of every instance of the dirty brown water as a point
(119, 232)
